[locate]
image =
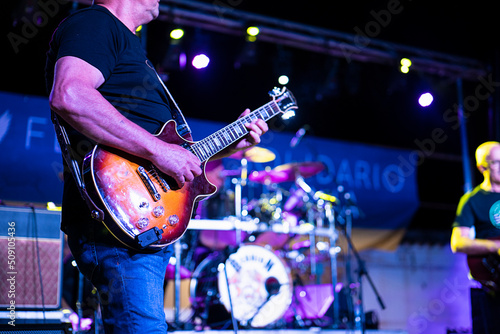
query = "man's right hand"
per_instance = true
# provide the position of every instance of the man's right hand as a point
(177, 162)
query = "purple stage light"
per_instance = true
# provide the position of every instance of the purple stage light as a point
(425, 99)
(200, 61)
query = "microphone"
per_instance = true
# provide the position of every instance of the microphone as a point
(298, 136)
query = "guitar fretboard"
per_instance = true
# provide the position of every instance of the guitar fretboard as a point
(216, 142)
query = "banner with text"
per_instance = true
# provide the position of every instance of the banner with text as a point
(378, 183)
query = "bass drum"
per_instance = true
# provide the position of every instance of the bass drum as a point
(204, 293)
(260, 285)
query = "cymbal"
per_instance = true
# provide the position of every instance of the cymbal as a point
(269, 176)
(255, 154)
(305, 169)
(287, 172)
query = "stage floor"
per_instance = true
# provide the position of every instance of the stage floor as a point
(51, 316)
(294, 331)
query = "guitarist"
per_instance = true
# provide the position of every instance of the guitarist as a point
(480, 209)
(105, 91)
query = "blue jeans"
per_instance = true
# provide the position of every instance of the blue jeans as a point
(130, 283)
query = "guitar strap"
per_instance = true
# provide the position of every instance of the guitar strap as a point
(182, 125)
(69, 155)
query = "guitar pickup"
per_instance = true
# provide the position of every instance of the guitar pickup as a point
(148, 183)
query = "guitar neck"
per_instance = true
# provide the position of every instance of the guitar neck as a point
(216, 142)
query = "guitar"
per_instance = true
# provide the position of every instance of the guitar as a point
(486, 270)
(145, 209)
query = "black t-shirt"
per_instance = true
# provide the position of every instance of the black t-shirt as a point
(131, 84)
(481, 209)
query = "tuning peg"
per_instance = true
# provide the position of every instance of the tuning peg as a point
(275, 91)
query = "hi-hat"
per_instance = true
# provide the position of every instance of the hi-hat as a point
(287, 172)
(254, 154)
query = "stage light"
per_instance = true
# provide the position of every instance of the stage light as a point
(176, 34)
(425, 99)
(283, 80)
(253, 31)
(404, 69)
(406, 62)
(200, 61)
(405, 65)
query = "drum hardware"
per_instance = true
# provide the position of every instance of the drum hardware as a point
(253, 154)
(177, 282)
(223, 267)
(322, 209)
(323, 212)
(350, 211)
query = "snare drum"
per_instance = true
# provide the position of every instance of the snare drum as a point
(260, 285)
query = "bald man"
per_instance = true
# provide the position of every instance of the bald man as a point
(480, 209)
(106, 91)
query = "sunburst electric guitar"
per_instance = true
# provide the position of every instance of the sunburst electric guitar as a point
(144, 208)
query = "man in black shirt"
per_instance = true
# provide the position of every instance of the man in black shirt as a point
(106, 91)
(479, 213)
(480, 207)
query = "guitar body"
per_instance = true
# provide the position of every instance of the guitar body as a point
(486, 270)
(138, 198)
(143, 207)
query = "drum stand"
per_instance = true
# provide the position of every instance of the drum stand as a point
(325, 206)
(238, 186)
(177, 282)
(233, 319)
(359, 315)
(333, 251)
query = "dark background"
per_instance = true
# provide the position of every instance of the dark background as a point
(352, 101)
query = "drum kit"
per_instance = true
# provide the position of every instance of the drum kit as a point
(262, 278)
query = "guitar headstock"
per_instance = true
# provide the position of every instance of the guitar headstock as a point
(285, 101)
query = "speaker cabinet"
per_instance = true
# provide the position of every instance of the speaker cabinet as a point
(32, 249)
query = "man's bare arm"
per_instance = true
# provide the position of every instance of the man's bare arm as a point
(76, 99)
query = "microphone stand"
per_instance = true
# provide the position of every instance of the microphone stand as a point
(358, 308)
(233, 319)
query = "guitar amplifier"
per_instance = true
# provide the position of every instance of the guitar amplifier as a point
(31, 243)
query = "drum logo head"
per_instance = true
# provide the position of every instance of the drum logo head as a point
(259, 283)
